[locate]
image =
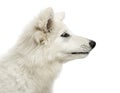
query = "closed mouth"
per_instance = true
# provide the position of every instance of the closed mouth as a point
(80, 53)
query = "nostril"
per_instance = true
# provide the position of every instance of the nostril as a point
(92, 44)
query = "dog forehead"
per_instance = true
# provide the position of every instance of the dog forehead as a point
(59, 26)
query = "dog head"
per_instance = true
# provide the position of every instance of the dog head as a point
(56, 41)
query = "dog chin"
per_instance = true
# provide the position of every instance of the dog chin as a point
(83, 55)
(79, 56)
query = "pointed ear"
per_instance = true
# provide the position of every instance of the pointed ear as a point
(45, 20)
(60, 16)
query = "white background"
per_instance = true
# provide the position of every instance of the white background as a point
(95, 19)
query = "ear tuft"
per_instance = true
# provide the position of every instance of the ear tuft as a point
(49, 9)
(46, 14)
(49, 25)
(39, 37)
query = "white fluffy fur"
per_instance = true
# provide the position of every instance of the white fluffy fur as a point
(35, 61)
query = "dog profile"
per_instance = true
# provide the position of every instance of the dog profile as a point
(32, 65)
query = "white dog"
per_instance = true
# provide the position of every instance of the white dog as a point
(35, 61)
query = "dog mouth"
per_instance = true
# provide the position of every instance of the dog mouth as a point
(79, 53)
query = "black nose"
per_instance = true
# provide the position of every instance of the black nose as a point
(92, 44)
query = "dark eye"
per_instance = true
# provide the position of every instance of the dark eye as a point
(65, 35)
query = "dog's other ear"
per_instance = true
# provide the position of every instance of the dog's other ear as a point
(45, 20)
(60, 16)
